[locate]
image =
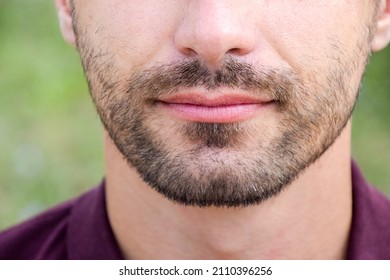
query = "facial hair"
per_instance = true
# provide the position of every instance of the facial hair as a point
(220, 164)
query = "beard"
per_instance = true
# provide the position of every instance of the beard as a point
(220, 164)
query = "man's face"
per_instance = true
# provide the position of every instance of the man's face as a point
(223, 103)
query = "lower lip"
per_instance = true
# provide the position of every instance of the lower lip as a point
(214, 114)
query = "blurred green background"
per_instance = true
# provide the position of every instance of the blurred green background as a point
(50, 135)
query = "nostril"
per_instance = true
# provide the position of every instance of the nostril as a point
(235, 51)
(188, 52)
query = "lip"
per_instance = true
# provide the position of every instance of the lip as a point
(226, 108)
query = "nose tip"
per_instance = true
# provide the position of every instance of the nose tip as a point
(210, 31)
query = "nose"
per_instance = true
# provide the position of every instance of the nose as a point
(212, 29)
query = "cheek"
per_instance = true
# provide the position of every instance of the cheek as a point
(133, 31)
(314, 34)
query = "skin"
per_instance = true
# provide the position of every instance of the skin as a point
(323, 46)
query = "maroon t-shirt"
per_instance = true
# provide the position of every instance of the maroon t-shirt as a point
(80, 229)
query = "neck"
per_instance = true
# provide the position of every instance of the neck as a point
(309, 220)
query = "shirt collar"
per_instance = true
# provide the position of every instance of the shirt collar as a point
(89, 233)
(370, 230)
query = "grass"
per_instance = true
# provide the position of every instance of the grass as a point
(50, 134)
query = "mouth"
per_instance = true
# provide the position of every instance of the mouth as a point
(221, 109)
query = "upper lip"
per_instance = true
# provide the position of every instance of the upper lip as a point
(214, 101)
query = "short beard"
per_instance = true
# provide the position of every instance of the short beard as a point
(215, 169)
(213, 166)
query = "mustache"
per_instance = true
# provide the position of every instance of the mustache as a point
(152, 83)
